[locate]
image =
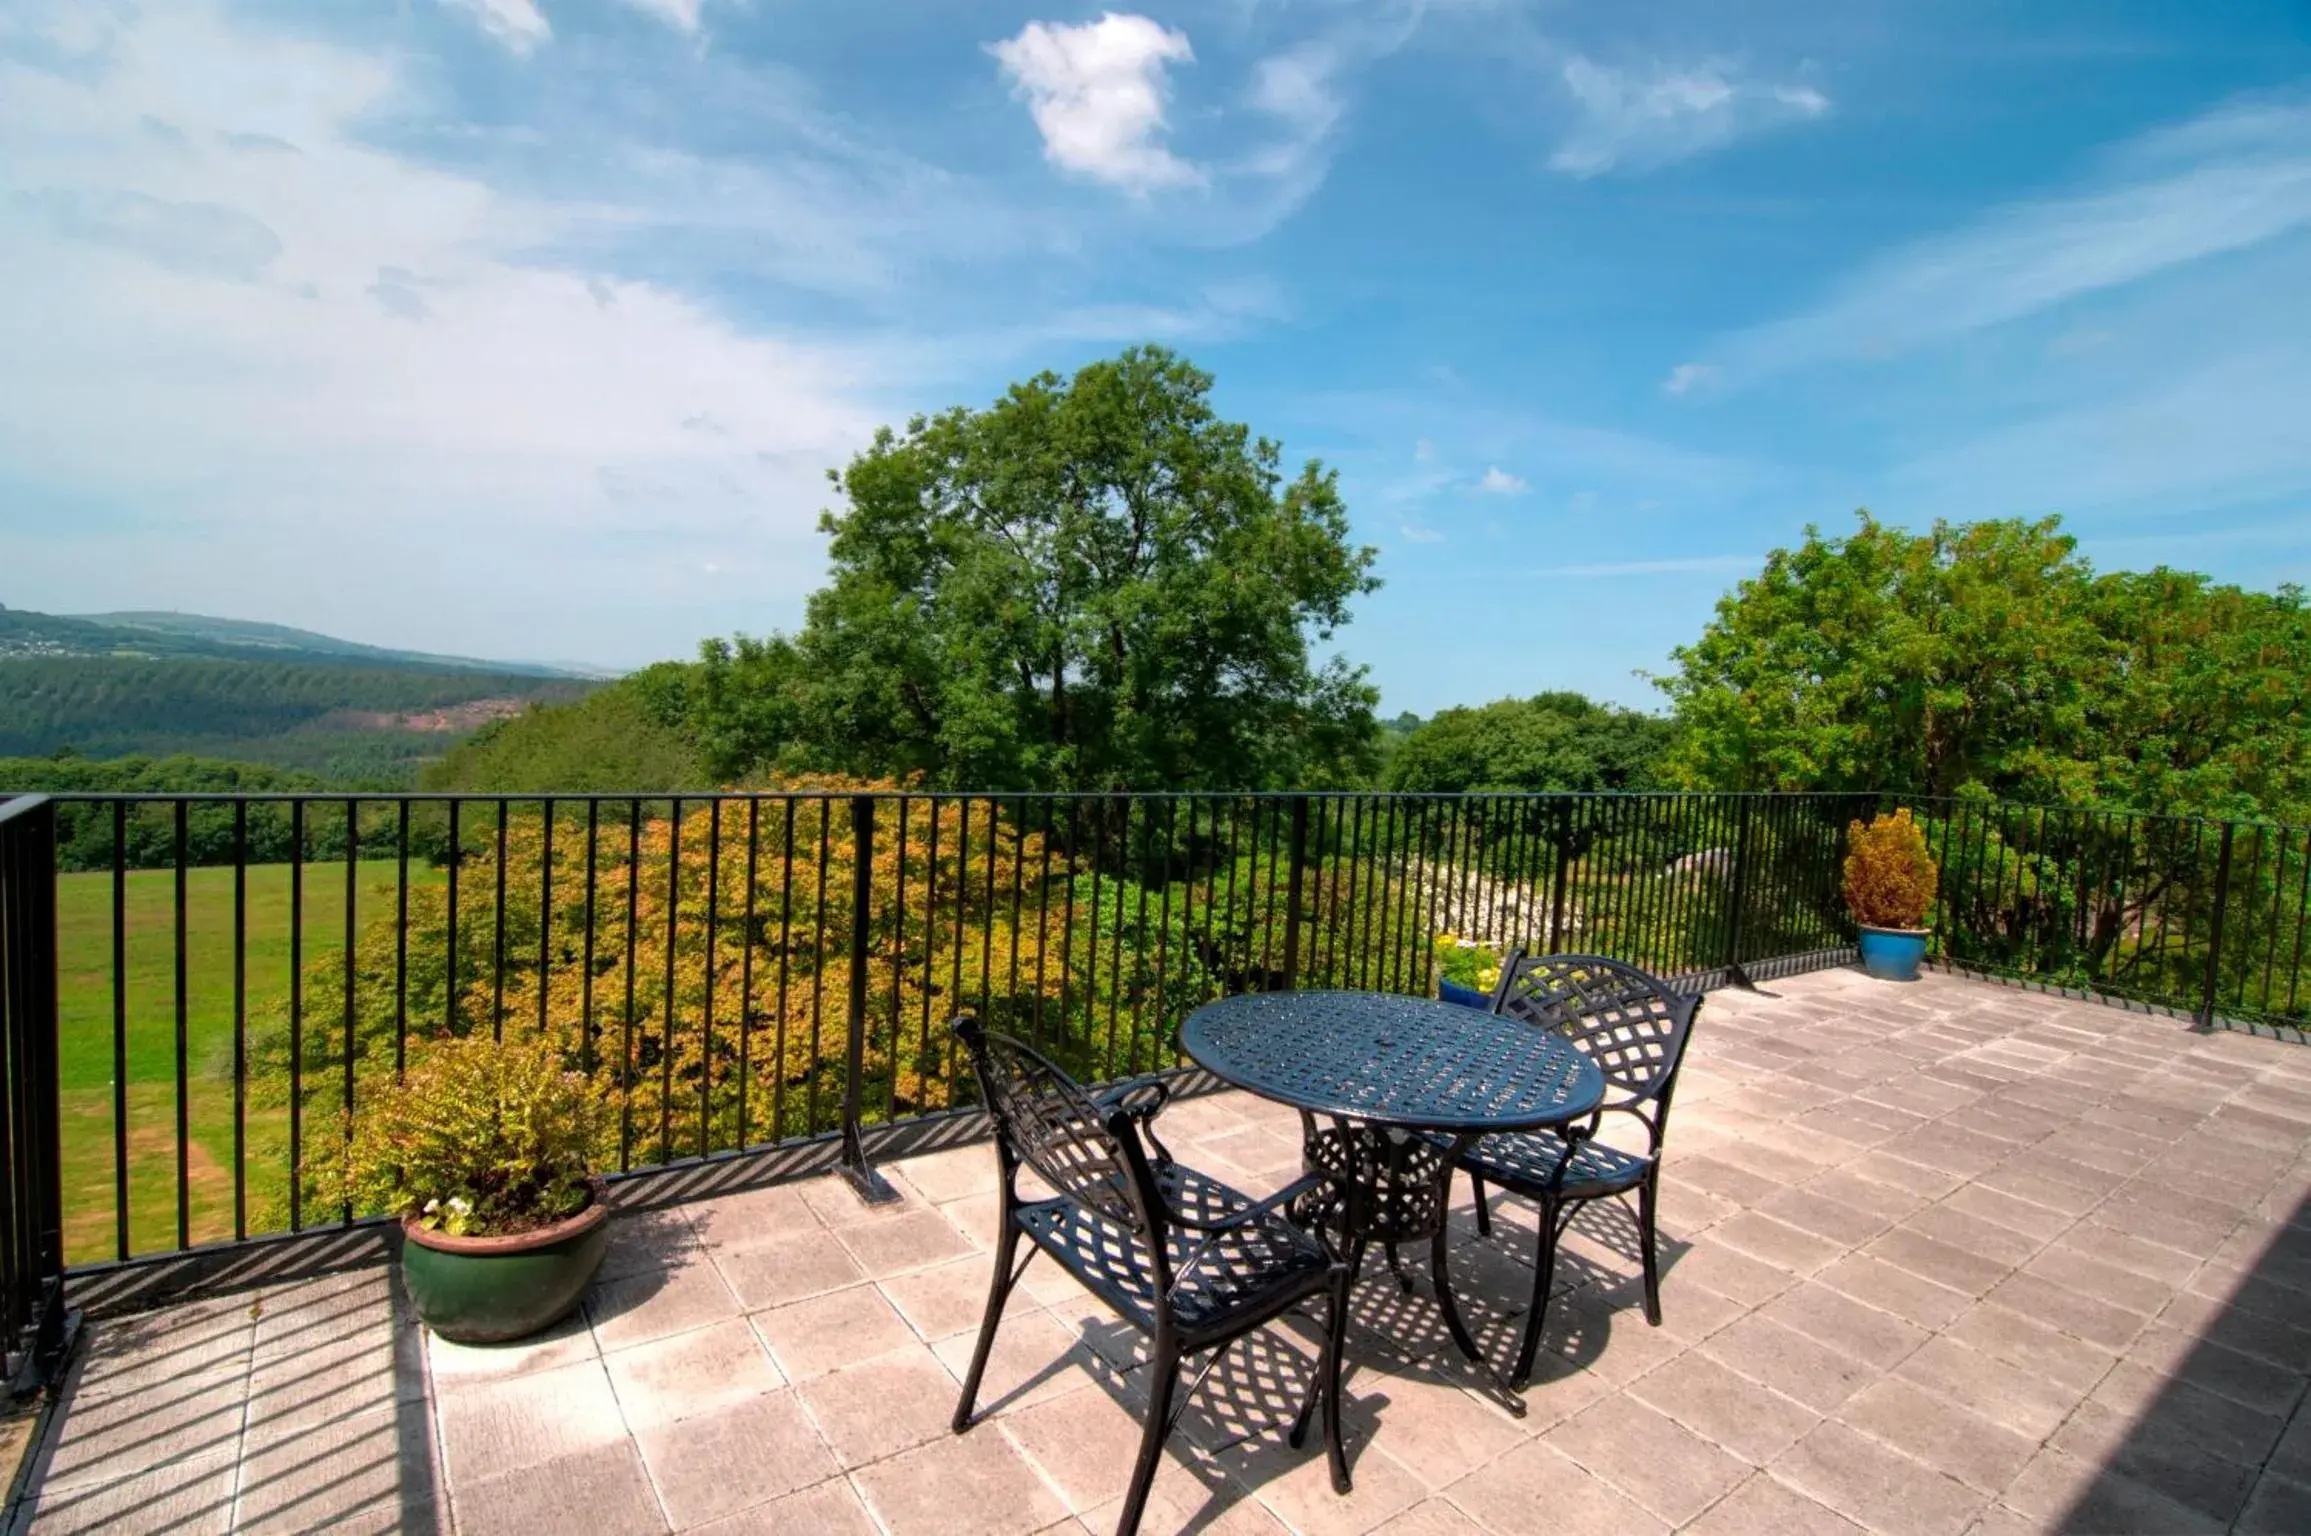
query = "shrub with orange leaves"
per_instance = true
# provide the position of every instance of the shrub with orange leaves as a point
(1890, 875)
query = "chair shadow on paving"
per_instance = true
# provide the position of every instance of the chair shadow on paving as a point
(286, 1409)
(2224, 1438)
(1231, 1435)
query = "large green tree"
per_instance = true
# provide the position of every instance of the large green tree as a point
(1552, 741)
(1094, 583)
(1992, 655)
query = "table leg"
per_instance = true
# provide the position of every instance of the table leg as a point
(1449, 1305)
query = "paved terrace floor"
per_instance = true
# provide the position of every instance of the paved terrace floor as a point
(1944, 1258)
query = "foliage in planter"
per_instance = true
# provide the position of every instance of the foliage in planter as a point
(480, 1138)
(1890, 875)
(1467, 963)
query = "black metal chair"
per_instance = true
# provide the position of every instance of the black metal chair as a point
(1184, 1259)
(1635, 1027)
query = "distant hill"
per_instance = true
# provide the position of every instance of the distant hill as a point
(143, 636)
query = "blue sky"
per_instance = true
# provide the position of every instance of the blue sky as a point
(530, 327)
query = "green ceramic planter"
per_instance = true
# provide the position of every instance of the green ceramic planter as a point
(488, 1290)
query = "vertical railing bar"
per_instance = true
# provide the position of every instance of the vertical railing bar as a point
(497, 1018)
(869, 1185)
(184, 1080)
(451, 968)
(785, 951)
(818, 966)
(240, 1021)
(2302, 916)
(924, 1051)
(1228, 922)
(1116, 984)
(352, 904)
(296, 1015)
(627, 1071)
(1067, 925)
(987, 928)
(545, 904)
(1164, 937)
(747, 932)
(586, 956)
(1043, 925)
(120, 1025)
(1100, 810)
(672, 1015)
(898, 958)
(1269, 900)
(1139, 939)
(962, 915)
(401, 940)
(1018, 820)
(713, 923)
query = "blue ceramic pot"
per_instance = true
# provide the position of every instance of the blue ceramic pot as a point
(1893, 954)
(1466, 997)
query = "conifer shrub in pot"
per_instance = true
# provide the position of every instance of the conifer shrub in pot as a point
(484, 1149)
(1890, 883)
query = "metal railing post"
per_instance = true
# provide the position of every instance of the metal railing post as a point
(2206, 1014)
(871, 1186)
(34, 1143)
(1740, 883)
(1292, 890)
(1562, 834)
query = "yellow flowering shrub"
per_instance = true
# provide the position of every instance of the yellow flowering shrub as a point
(1890, 874)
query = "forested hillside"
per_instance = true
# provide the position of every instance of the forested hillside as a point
(353, 724)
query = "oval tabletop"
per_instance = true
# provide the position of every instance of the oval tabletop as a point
(1408, 1061)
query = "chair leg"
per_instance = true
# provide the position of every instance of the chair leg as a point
(1544, 1275)
(1484, 1212)
(998, 1292)
(1335, 1347)
(1648, 1201)
(1396, 1268)
(1161, 1385)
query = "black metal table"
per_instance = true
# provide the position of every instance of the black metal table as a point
(1408, 1084)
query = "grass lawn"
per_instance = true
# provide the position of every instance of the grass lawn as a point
(148, 1063)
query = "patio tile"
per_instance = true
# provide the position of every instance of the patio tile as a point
(702, 1371)
(1725, 1407)
(831, 1198)
(512, 1425)
(194, 1497)
(1792, 1364)
(603, 1491)
(1939, 1433)
(946, 1299)
(454, 1367)
(1930, 1258)
(1296, 1485)
(751, 1216)
(2064, 1493)
(1736, 1276)
(659, 1304)
(774, 1271)
(643, 1241)
(370, 1471)
(960, 1171)
(809, 1337)
(2180, 1467)
(2280, 1507)
(2021, 1400)
(2106, 1284)
(917, 1240)
(1827, 1316)
(1538, 1488)
(881, 1406)
(1881, 1488)
(1664, 1466)
(104, 1441)
(974, 1484)
(2241, 1378)
(1084, 1443)
(2152, 1260)
(1432, 1426)
(1892, 1289)
(1035, 1357)
(1763, 1506)
(1825, 1217)
(742, 1455)
(1432, 1517)
(831, 1508)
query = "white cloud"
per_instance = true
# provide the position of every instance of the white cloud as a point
(518, 24)
(681, 15)
(1423, 451)
(2229, 180)
(1636, 120)
(391, 370)
(1413, 535)
(1687, 377)
(1097, 93)
(1499, 482)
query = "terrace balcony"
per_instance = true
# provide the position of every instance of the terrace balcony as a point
(1942, 1258)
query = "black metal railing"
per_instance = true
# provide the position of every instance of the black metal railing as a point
(746, 970)
(32, 1312)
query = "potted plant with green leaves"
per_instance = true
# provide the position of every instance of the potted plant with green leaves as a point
(485, 1151)
(1466, 971)
(1890, 883)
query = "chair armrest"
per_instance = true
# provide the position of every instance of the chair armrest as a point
(1302, 1185)
(1141, 1100)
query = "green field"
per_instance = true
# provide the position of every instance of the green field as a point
(86, 1013)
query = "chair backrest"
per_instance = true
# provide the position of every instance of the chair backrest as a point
(1044, 1119)
(1633, 1025)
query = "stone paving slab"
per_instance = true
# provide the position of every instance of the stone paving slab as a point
(1950, 1257)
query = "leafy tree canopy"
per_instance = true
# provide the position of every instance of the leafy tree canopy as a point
(629, 735)
(1094, 583)
(1552, 741)
(1991, 654)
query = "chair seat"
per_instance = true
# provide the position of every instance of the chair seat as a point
(1526, 1161)
(1262, 1266)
